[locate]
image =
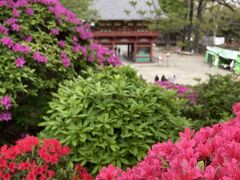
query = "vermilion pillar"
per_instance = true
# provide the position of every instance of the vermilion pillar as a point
(128, 51)
(135, 52)
(151, 51)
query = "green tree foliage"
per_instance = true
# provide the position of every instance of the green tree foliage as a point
(229, 26)
(171, 16)
(192, 19)
(112, 117)
(81, 7)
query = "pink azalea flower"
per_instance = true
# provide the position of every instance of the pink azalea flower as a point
(109, 173)
(236, 108)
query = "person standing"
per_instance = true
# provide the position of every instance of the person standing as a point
(167, 58)
(119, 51)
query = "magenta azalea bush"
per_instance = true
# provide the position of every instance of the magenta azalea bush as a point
(212, 153)
(183, 91)
(41, 43)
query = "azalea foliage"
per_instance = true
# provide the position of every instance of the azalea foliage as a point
(112, 117)
(32, 159)
(211, 153)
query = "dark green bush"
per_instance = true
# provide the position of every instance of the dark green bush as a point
(112, 117)
(215, 99)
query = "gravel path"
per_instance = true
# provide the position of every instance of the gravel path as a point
(185, 68)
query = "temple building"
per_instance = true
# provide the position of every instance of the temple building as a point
(123, 23)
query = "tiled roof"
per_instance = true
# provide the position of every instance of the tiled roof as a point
(119, 9)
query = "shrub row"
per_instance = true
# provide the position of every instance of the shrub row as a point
(211, 153)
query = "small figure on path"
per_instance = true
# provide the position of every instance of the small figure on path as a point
(119, 51)
(156, 79)
(160, 59)
(163, 78)
(167, 57)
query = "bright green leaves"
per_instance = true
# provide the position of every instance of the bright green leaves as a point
(112, 117)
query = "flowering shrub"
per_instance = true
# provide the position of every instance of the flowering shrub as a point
(215, 99)
(211, 153)
(183, 91)
(112, 117)
(33, 159)
(41, 43)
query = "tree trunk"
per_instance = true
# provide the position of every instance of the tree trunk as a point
(199, 17)
(167, 41)
(190, 26)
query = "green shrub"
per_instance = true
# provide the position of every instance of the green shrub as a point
(112, 117)
(41, 44)
(215, 99)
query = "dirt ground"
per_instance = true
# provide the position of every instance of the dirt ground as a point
(185, 68)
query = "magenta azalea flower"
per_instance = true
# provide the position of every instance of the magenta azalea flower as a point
(20, 61)
(84, 51)
(16, 13)
(20, 48)
(11, 21)
(29, 11)
(3, 3)
(15, 27)
(55, 31)
(61, 43)
(3, 30)
(76, 48)
(65, 60)
(28, 38)
(7, 41)
(5, 116)
(37, 56)
(90, 58)
(6, 102)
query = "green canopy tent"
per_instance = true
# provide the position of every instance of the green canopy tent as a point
(220, 57)
(237, 65)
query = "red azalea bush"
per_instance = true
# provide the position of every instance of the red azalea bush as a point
(33, 159)
(209, 154)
